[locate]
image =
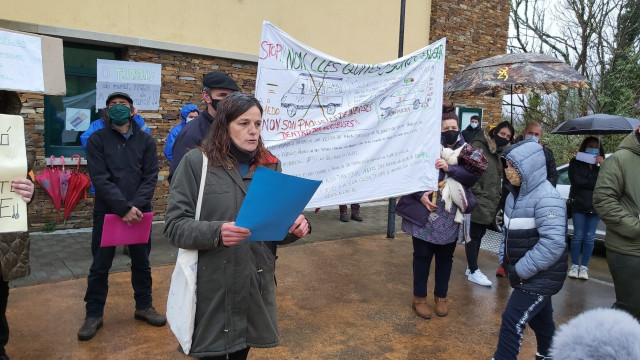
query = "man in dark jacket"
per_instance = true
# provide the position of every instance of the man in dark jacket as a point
(472, 130)
(533, 131)
(216, 86)
(533, 250)
(123, 165)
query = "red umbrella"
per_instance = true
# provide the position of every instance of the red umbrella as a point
(49, 179)
(65, 175)
(79, 182)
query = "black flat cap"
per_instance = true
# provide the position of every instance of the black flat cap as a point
(219, 80)
(120, 95)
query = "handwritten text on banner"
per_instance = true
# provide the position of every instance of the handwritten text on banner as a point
(20, 62)
(140, 80)
(13, 165)
(368, 131)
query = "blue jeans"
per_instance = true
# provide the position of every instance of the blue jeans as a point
(98, 280)
(584, 235)
(525, 308)
(423, 253)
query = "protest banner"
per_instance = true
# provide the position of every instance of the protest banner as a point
(13, 165)
(141, 81)
(368, 131)
(20, 62)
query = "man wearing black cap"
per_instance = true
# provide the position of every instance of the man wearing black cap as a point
(123, 164)
(216, 86)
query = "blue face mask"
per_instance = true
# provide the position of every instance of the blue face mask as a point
(531, 137)
(473, 125)
(592, 151)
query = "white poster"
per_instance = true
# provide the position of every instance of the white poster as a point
(368, 131)
(20, 62)
(13, 165)
(141, 81)
(77, 119)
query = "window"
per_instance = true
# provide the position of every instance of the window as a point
(66, 117)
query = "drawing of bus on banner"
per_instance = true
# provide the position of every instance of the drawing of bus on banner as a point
(310, 91)
(408, 97)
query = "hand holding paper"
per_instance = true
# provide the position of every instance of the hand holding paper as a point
(232, 234)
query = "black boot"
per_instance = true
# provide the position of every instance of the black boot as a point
(355, 212)
(343, 213)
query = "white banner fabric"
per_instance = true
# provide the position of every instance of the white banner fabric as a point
(20, 62)
(368, 131)
(13, 165)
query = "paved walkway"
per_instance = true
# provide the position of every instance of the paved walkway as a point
(347, 299)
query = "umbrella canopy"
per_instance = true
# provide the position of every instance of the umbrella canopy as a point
(78, 184)
(49, 179)
(65, 175)
(597, 124)
(516, 74)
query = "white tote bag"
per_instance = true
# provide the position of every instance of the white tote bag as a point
(181, 304)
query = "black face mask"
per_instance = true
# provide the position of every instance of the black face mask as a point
(449, 137)
(214, 104)
(500, 141)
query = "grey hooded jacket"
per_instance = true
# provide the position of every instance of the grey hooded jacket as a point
(533, 250)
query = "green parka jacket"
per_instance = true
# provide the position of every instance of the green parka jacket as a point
(236, 300)
(488, 189)
(616, 197)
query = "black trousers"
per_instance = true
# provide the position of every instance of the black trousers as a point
(4, 325)
(238, 355)
(472, 248)
(423, 253)
(98, 280)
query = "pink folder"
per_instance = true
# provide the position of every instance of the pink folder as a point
(115, 232)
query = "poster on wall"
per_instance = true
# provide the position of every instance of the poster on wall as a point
(368, 131)
(140, 80)
(20, 62)
(77, 119)
(13, 165)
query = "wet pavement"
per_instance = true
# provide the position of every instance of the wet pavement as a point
(343, 293)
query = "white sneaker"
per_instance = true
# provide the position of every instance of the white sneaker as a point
(583, 273)
(479, 278)
(467, 272)
(573, 271)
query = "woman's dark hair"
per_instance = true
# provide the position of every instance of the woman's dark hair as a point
(588, 139)
(217, 142)
(504, 124)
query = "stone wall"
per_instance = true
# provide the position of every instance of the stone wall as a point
(181, 83)
(475, 30)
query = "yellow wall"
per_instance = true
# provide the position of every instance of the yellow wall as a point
(363, 31)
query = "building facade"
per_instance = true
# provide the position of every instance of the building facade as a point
(223, 36)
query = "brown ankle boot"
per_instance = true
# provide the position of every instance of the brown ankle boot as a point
(441, 306)
(419, 305)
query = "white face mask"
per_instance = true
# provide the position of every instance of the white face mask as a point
(531, 137)
(189, 119)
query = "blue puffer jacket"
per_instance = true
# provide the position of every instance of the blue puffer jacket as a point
(99, 124)
(173, 134)
(533, 250)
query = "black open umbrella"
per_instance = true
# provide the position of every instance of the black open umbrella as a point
(597, 124)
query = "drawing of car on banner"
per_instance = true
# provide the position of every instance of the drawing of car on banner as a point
(314, 92)
(410, 95)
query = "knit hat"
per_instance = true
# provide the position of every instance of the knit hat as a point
(219, 80)
(187, 109)
(119, 95)
(449, 112)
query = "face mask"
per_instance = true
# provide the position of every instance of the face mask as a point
(513, 177)
(449, 137)
(473, 125)
(214, 104)
(119, 114)
(531, 137)
(592, 151)
(500, 141)
(189, 119)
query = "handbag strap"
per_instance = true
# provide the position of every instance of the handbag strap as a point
(203, 177)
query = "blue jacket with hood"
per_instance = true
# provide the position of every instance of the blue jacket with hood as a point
(173, 134)
(533, 250)
(99, 124)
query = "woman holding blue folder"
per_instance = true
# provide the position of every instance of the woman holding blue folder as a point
(236, 301)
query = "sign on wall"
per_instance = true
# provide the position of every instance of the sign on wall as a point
(20, 62)
(368, 131)
(140, 80)
(13, 165)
